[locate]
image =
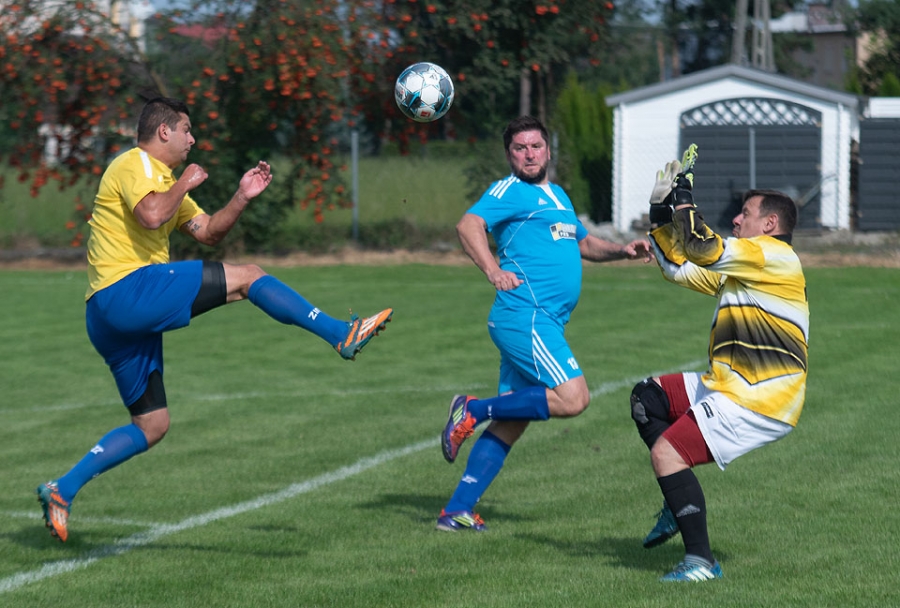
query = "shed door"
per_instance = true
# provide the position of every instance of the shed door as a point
(879, 174)
(759, 143)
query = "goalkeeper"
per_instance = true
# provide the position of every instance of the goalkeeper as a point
(754, 388)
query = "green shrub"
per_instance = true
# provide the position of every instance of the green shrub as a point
(585, 129)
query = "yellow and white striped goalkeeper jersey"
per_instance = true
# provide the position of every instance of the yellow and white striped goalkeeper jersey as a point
(760, 331)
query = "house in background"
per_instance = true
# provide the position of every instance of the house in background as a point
(754, 129)
(834, 50)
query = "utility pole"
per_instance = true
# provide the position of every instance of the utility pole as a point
(762, 55)
(738, 56)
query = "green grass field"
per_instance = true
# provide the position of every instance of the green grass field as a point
(293, 478)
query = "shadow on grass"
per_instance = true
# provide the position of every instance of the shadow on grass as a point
(624, 552)
(426, 508)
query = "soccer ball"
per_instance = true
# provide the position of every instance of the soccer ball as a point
(424, 92)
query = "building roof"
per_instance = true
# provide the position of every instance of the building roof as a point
(731, 70)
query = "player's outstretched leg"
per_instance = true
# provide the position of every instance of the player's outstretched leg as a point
(55, 508)
(360, 331)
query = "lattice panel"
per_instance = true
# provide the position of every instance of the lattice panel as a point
(750, 111)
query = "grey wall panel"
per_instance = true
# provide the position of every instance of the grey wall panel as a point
(878, 203)
(786, 159)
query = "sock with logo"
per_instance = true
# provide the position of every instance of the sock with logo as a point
(685, 498)
(527, 404)
(485, 461)
(287, 306)
(113, 449)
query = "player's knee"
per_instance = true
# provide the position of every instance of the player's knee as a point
(572, 404)
(155, 426)
(649, 410)
(648, 400)
(240, 278)
(150, 412)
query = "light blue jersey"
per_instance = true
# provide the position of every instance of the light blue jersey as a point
(537, 235)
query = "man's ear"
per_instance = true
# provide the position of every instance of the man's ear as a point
(771, 224)
(163, 132)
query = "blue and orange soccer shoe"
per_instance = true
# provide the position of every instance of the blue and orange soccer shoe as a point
(693, 569)
(460, 426)
(56, 510)
(360, 331)
(460, 520)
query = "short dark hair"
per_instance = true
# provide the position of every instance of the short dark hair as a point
(778, 203)
(524, 123)
(159, 111)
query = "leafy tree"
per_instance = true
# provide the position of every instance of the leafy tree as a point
(67, 76)
(505, 55)
(880, 19)
(264, 79)
(586, 145)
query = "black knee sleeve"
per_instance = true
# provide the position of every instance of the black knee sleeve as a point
(154, 398)
(650, 410)
(213, 290)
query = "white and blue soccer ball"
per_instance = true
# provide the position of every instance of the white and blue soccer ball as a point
(424, 91)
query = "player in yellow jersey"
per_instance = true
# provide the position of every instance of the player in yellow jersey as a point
(136, 294)
(754, 389)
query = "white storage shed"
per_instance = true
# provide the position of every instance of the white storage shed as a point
(754, 129)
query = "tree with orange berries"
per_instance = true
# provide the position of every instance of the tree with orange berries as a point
(266, 79)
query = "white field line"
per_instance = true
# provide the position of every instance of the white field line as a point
(158, 531)
(609, 387)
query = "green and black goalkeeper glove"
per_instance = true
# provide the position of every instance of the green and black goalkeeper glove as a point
(673, 187)
(684, 181)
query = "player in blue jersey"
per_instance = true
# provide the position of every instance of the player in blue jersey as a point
(135, 293)
(540, 243)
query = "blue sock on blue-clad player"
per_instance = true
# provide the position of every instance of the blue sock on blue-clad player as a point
(527, 404)
(287, 306)
(113, 449)
(485, 461)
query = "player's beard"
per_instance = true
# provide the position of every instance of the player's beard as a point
(535, 178)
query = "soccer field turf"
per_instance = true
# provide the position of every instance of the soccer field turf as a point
(293, 478)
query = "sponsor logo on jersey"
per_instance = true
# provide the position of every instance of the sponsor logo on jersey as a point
(562, 230)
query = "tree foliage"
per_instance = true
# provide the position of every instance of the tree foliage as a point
(880, 19)
(284, 79)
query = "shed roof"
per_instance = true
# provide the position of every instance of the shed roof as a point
(731, 70)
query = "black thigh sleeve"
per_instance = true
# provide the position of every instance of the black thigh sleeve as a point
(154, 398)
(213, 291)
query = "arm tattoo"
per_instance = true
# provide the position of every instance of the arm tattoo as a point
(193, 226)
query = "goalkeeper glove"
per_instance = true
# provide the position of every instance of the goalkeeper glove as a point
(684, 181)
(673, 187)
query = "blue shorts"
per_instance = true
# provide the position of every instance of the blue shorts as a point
(533, 352)
(126, 320)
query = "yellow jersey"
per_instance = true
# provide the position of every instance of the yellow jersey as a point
(759, 339)
(118, 244)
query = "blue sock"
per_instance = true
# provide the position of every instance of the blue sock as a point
(485, 461)
(526, 404)
(287, 306)
(113, 449)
